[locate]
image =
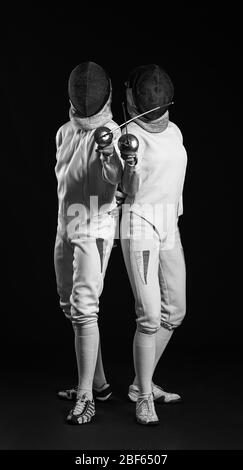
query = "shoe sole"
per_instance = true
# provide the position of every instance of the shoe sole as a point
(170, 402)
(103, 398)
(75, 423)
(150, 423)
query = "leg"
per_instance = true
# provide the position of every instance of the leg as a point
(63, 261)
(86, 348)
(161, 340)
(100, 385)
(87, 279)
(84, 308)
(160, 395)
(172, 275)
(141, 255)
(89, 259)
(99, 374)
(163, 336)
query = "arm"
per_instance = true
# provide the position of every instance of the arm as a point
(112, 165)
(130, 179)
(128, 145)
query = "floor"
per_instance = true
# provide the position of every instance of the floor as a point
(209, 417)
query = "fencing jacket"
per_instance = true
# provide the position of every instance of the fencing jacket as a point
(154, 186)
(86, 185)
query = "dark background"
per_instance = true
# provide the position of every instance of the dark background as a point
(200, 50)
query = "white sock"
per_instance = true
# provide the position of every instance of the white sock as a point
(99, 375)
(144, 356)
(86, 347)
(162, 337)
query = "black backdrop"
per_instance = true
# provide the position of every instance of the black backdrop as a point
(40, 48)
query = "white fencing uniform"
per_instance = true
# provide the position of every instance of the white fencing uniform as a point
(149, 233)
(86, 226)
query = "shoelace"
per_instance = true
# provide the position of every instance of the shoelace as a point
(80, 404)
(146, 405)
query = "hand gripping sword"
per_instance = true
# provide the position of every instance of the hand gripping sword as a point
(103, 135)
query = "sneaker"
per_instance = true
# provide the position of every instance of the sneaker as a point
(145, 412)
(69, 394)
(83, 411)
(102, 394)
(160, 395)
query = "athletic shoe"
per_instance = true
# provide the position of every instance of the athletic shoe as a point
(145, 412)
(102, 394)
(160, 395)
(69, 394)
(83, 411)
